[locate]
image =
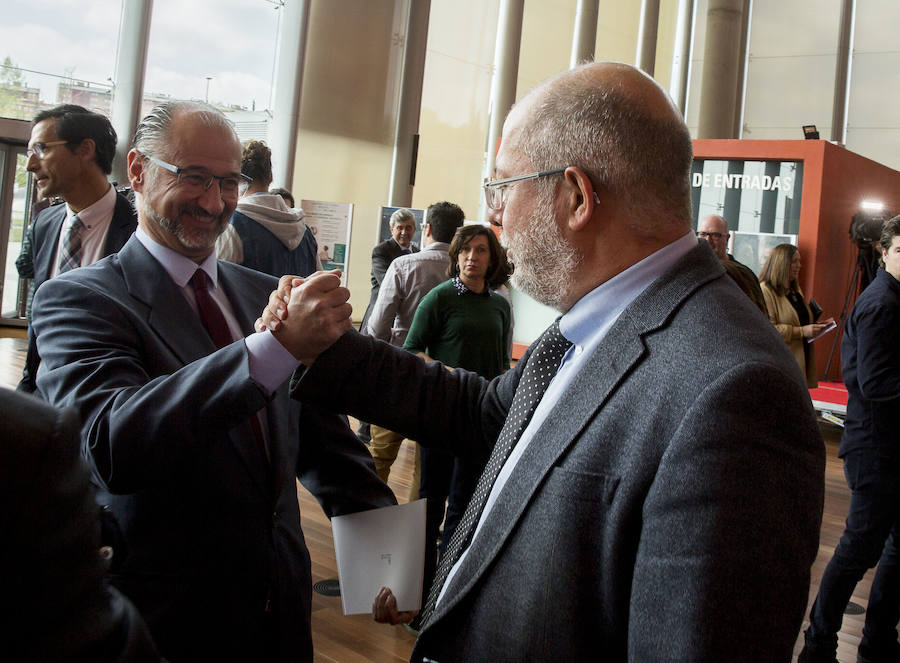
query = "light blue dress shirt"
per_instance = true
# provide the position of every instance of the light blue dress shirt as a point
(586, 325)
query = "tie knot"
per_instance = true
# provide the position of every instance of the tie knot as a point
(200, 280)
(554, 343)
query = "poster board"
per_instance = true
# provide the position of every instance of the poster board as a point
(752, 249)
(331, 224)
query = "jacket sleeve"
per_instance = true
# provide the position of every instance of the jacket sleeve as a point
(785, 329)
(381, 318)
(135, 426)
(455, 410)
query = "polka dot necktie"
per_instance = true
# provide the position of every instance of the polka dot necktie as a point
(71, 252)
(541, 367)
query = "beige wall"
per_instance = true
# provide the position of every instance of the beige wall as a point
(352, 79)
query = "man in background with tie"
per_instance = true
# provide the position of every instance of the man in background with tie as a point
(70, 155)
(654, 480)
(186, 417)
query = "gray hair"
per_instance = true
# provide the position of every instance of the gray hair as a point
(625, 148)
(402, 214)
(151, 136)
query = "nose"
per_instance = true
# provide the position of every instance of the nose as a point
(212, 200)
(495, 217)
(31, 164)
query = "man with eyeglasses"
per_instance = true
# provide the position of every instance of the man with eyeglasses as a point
(714, 229)
(187, 422)
(70, 155)
(661, 499)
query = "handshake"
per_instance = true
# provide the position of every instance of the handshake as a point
(307, 315)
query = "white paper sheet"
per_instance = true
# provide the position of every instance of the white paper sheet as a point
(381, 548)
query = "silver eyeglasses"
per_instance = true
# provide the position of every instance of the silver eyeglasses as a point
(496, 191)
(199, 180)
(39, 150)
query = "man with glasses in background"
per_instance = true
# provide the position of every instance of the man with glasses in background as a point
(70, 155)
(714, 229)
(655, 483)
(187, 424)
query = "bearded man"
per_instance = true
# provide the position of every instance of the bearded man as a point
(660, 500)
(187, 424)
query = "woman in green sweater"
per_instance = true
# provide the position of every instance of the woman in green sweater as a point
(464, 324)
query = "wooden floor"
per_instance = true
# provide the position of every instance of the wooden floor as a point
(357, 639)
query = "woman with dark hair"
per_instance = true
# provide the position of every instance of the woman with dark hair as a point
(265, 234)
(462, 323)
(787, 309)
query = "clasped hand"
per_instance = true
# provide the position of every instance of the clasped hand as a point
(307, 315)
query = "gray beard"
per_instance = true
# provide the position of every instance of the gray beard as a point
(545, 261)
(195, 240)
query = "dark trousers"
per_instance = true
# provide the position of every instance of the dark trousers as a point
(870, 537)
(443, 477)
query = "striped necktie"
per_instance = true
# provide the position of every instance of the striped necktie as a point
(71, 252)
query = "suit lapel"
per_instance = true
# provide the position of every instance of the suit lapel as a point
(121, 227)
(47, 243)
(169, 313)
(178, 326)
(619, 352)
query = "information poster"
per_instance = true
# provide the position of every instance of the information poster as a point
(330, 223)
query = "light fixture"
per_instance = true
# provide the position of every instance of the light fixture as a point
(810, 132)
(872, 205)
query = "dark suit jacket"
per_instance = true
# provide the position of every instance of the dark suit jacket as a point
(60, 608)
(667, 510)
(213, 531)
(43, 238)
(382, 256)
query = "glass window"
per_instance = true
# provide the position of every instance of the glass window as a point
(790, 74)
(873, 128)
(15, 205)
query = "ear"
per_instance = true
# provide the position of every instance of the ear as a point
(86, 149)
(136, 171)
(581, 198)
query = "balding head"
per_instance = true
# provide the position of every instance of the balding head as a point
(714, 229)
(620, 127)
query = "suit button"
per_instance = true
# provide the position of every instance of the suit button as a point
(274, 518)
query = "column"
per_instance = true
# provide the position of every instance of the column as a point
(503, 83)
(131, 64)
(406, 139)
(744, 54)
(721, 64)
(291, 58)
(842, 74)
(584, 40)
(681, 54)
(645, 58)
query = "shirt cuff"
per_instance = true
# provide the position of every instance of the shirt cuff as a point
(270, 362)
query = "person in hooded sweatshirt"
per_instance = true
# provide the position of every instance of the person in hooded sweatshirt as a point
(265, 234)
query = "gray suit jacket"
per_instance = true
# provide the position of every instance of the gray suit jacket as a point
(37, 262)
(667, 510)
(213, 531)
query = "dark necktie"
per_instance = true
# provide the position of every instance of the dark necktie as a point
(541, 367)
(210, 313)
(212, 318)
(71, 252)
